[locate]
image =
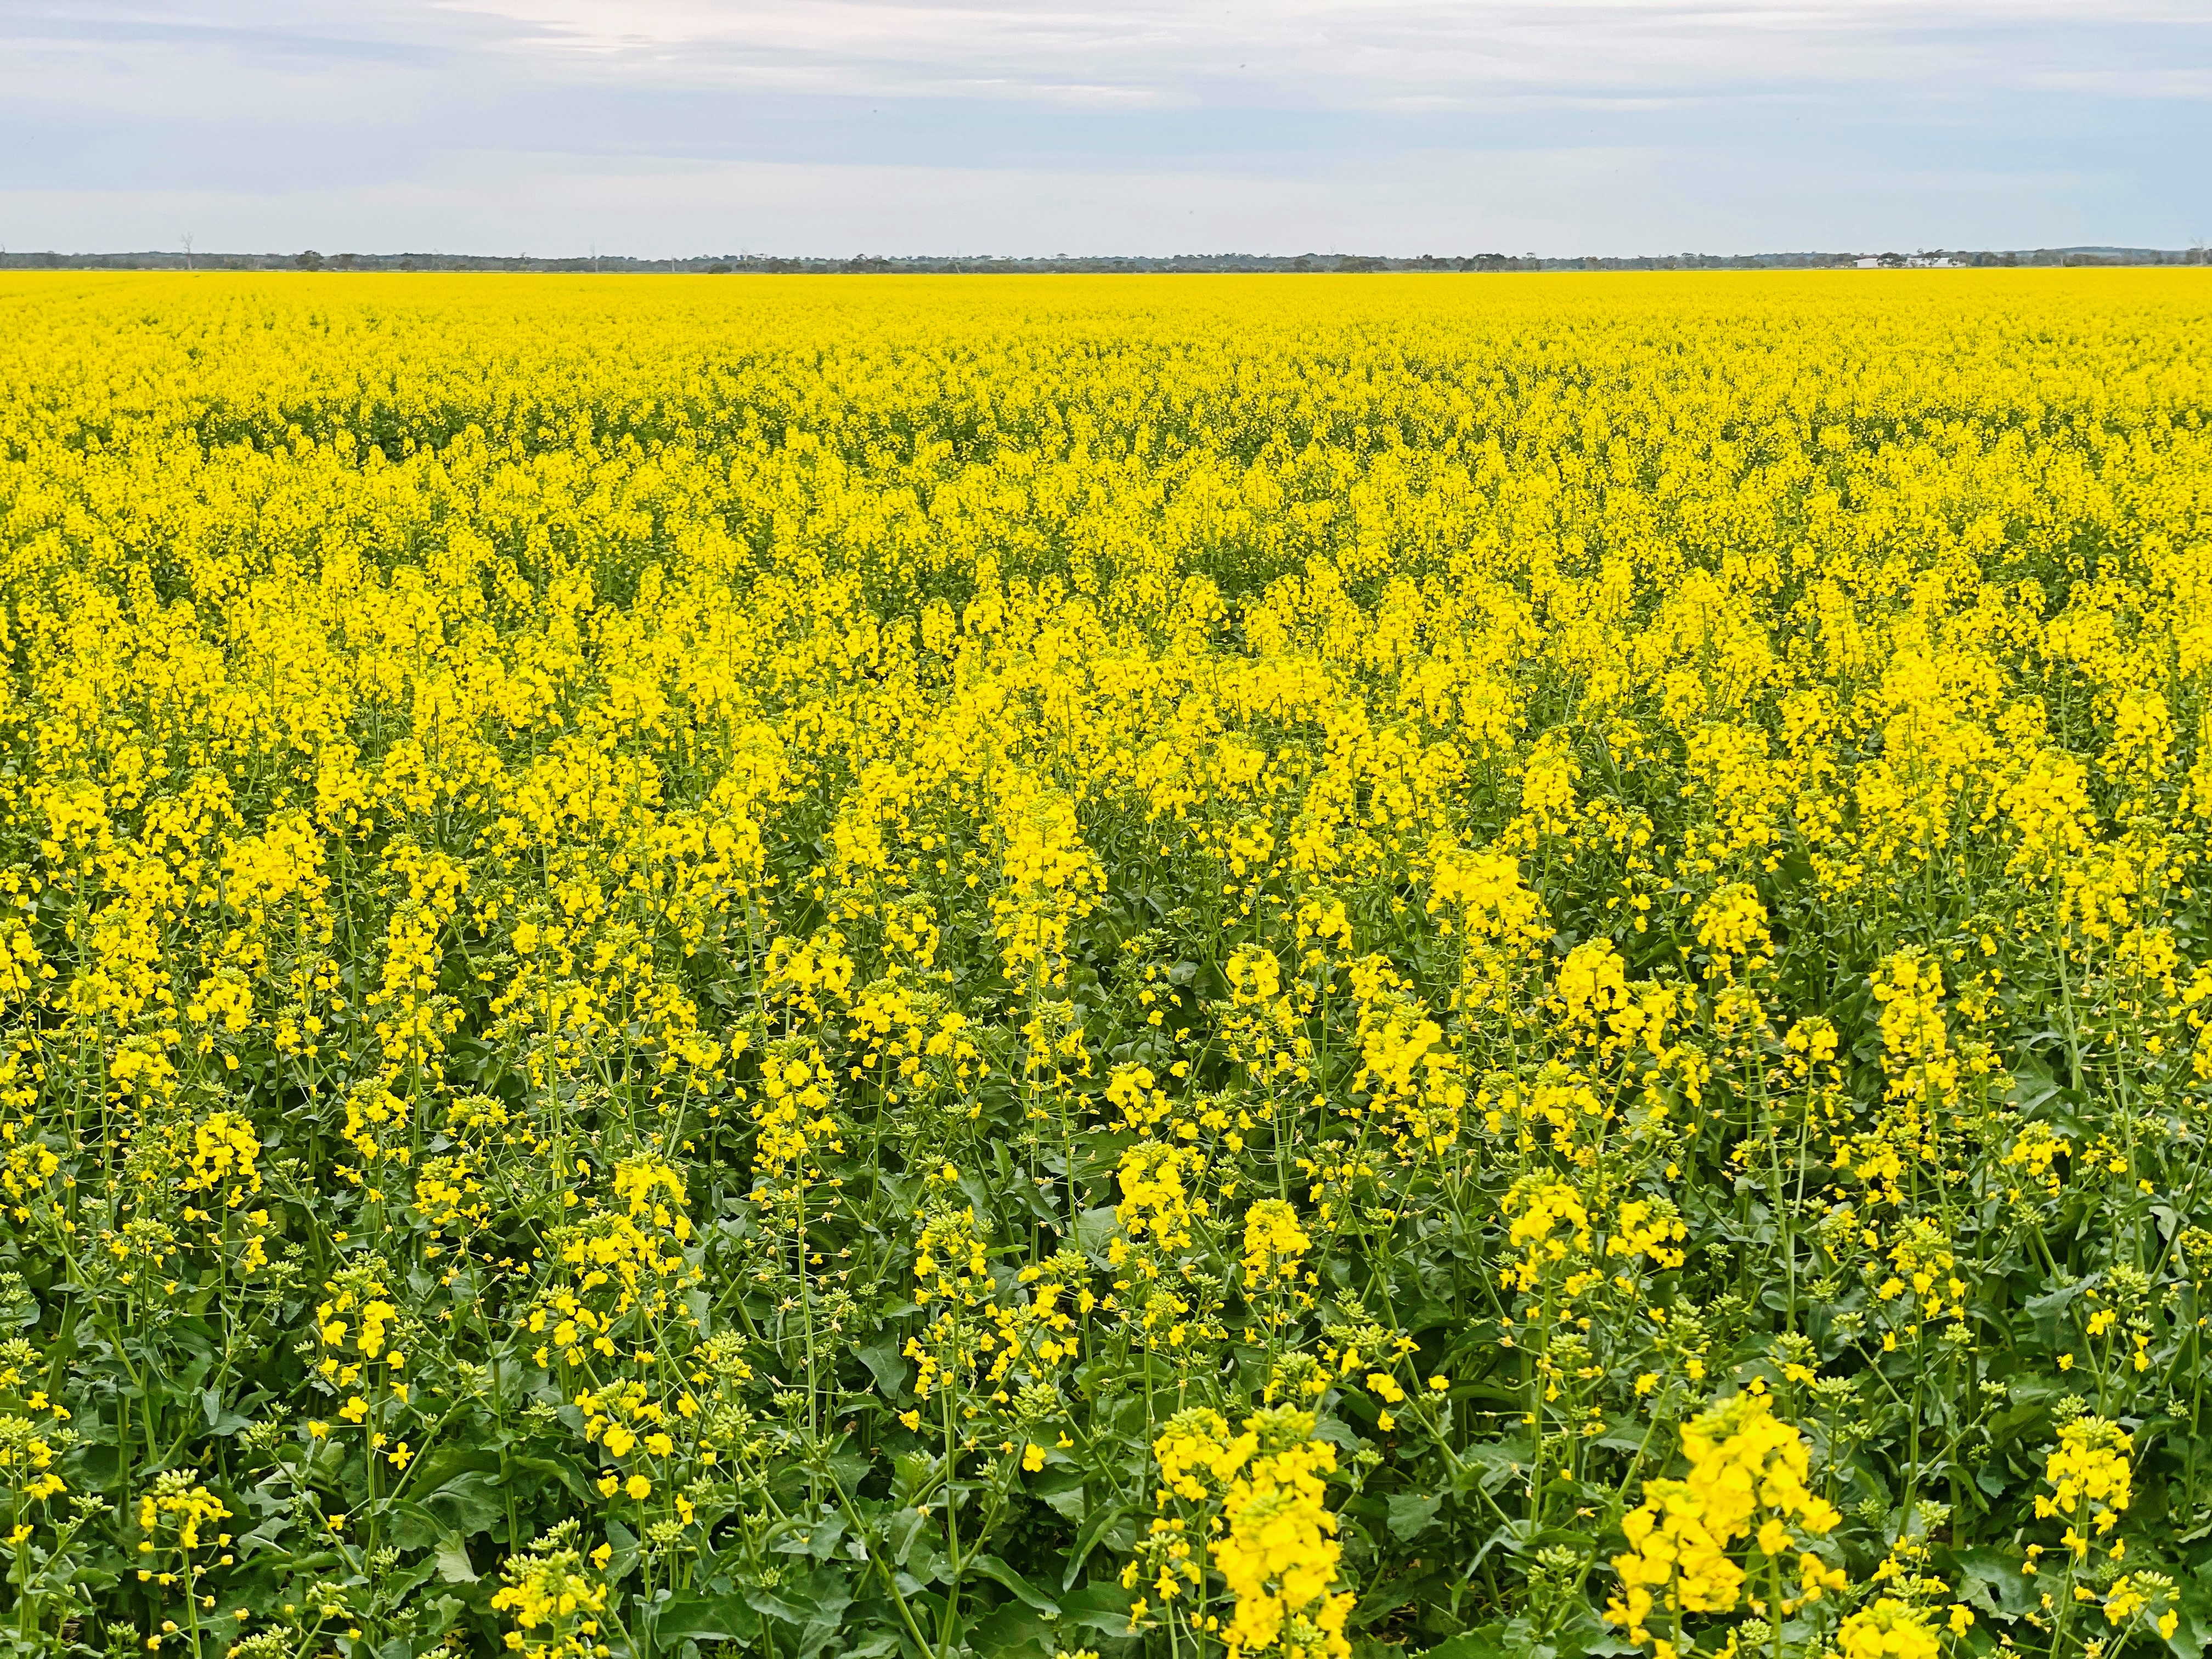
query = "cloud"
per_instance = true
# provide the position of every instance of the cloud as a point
(1393, 125)
(1363, 53)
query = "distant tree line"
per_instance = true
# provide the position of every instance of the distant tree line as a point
(757, 264)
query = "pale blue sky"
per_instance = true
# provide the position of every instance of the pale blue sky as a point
(662, 127)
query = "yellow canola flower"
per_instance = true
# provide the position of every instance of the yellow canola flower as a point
(1274, 1242)
(1890, 1628)
(1276, 1547)
(1746, 1484)
(2090, 1476)
(556, 1602)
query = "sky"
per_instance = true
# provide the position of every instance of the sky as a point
(667, 128)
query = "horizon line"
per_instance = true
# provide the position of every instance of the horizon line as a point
(416, 261)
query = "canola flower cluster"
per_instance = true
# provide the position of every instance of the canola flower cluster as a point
(1745, 1481)
(1335, 967)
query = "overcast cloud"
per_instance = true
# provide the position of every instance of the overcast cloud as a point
(674, 127)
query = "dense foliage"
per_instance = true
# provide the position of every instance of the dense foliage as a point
(1214, 968)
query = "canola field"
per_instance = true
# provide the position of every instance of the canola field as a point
(1201, 968)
